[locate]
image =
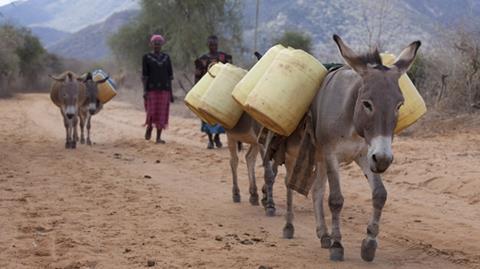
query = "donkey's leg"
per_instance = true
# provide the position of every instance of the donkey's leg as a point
(335, 202)
(70, 137)
(251, 158)
(89, 119)
(232, 147)
(67, 132)
(379, 197)
(289, 229)
(74, 124)
(75, 133)
(269, 177)
(318, 192)
(82, 127)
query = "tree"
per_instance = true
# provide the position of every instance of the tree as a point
(23, 60)
(468, 44)
(377, 18)
(417, 71)
(185, 25)
(297, 40)
(9, 41)
(31, 55)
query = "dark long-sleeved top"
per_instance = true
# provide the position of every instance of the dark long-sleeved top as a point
(202, 63)
(157, 72)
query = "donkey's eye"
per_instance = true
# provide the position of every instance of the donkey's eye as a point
(399, 106)
(367, 105)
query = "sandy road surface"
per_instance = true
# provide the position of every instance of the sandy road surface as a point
(126, 201)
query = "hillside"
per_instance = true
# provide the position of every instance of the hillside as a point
(403, 22)
(91, 42)
(49, 36)
(64, 15)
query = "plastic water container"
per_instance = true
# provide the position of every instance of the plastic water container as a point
(414, 106)
(284, 93)
(194, 96)
(246, 85)
(217, 102)
(106, 90)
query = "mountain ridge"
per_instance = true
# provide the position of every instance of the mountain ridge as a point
(91, 42)
(404, 21)
(63, 15)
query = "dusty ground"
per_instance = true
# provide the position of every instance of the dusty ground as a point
(125, 201)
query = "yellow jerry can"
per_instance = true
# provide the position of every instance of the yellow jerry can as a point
(217, 102)
(194, 96)
(248, 82)
(106, 90)
(284, 93)
(414, 106)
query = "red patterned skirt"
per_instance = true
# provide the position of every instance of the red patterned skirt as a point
(157, 106)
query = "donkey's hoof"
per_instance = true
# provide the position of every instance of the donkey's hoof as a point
(89, 142)
(368, 250)
(325, 241)
(336, 252)
(73, 145)
(82, 140)
(254, 200)
(288, 231)
(270, 211)
(264, 202)
(67, 145)
(236, 198)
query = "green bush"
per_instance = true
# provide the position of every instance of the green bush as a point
(23, 61)
(297, 40)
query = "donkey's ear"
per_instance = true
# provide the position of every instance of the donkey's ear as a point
(407, 57)
(349, 56)
(102, 81)
(83, 77)
(56, 78)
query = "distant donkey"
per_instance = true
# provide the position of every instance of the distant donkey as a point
(91, 106)
(246, 131)
(68, 93)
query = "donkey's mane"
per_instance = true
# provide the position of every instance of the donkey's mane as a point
(71, 75)
(372, 58)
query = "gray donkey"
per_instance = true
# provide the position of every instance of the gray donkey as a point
(247, 131)
(91, 106)
(68, 93)
(354, 115)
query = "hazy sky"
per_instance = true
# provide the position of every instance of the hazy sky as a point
(4, 2)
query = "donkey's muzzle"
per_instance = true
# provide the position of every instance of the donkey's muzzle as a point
(92, 108)
(380, 153)
(70, 112)
(380, 162)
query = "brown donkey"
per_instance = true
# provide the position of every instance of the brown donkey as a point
(91, 106)
(68, 93)
(246, 131)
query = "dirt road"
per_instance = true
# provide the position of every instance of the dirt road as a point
(124, 202)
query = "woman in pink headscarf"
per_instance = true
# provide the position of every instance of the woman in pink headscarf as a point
(157, 76)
